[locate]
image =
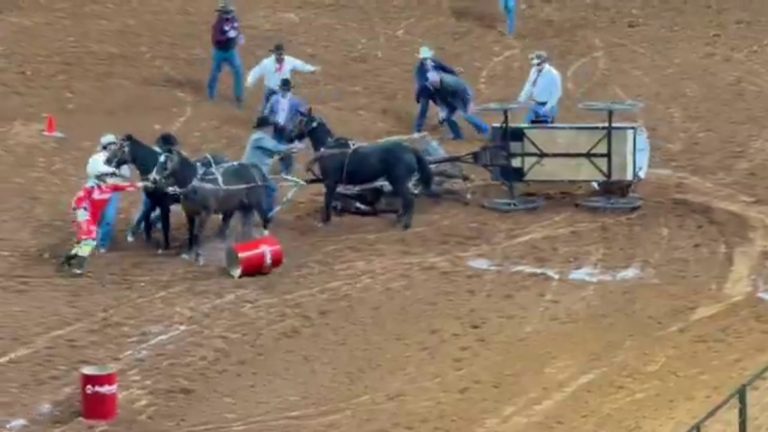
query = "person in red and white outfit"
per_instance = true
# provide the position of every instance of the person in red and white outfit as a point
(274, 69)
(88, 206)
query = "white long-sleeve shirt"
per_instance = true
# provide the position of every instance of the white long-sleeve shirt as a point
(547, 88)
(273, 73)
(97, 166)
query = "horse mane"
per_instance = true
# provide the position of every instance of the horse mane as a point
(186, 172)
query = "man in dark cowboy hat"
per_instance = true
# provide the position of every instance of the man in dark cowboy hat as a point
(225, 37)
(284, 110)
(274, 68)
(261, 151)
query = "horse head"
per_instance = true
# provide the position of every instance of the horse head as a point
(121, 153)
(314, 128)
(163, 175)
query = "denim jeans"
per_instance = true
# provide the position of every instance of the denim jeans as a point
(268, 93)
(421, 117)
(476, 122)
(286, 160)
(138, 223)
(271, 196)
(232, 59)
(509, 8)
(107, 222)
(536, 113)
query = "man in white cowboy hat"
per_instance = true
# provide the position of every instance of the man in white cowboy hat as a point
(543, 89)
(275, 68)
(98, 172)
(225, 37)
(424, 94)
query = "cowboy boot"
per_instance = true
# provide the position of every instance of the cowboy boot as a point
(67, 261)
(77, 267)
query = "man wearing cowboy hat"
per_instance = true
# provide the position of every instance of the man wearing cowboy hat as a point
(99, 172)
(424, 93)
(275, 68)
(453, 96)
(261, 151)
(543, 89)
(284, 110)
(225, 37)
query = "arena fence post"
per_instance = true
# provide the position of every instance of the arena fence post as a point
(743, 408)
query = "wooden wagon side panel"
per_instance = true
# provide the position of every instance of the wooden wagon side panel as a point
(575, 153)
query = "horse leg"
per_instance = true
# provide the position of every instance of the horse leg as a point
(202, 221)
(330, 192)
(165, 223)
(226, 218)
(191, 219)
(246, 224)
(405, 216)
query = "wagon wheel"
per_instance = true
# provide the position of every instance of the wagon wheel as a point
(612, 203)
(620, 188)
(513, 205)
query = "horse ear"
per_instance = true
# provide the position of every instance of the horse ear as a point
(309, 112)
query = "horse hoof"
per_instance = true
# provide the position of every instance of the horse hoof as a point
(186, 256)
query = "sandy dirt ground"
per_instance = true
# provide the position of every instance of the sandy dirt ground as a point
(366, 328)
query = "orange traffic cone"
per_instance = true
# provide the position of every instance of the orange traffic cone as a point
(50, 128)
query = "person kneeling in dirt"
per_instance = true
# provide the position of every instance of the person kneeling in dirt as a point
(88, 206)
(261, 151)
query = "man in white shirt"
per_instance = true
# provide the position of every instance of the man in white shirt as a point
(97, 168)
(543, 89)
(275, 68)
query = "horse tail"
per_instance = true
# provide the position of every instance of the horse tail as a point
(425, 172)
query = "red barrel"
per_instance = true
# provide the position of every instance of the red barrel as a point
(98, 389)
(254, 257)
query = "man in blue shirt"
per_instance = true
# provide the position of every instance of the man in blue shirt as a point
(261, 151)
(285, 110)
(225, 37)
(424, 94)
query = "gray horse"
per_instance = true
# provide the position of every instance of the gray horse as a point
(226, 189)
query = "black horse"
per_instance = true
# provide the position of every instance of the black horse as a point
(144, 158)
(234, 187)
(341, 163)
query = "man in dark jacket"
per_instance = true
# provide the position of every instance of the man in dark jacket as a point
(225, 37)
(424, 94)
(453, 96)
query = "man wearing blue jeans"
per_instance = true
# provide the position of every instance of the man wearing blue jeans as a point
(454, 96)
(226, 36)
(275, 68)
(424, 94)
(284, 111)
(509, 7)
(261, 151)
(96, 168)
(543, 90)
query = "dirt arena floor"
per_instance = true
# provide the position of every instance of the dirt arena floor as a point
(366, 328)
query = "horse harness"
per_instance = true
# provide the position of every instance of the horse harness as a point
(353, 146)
